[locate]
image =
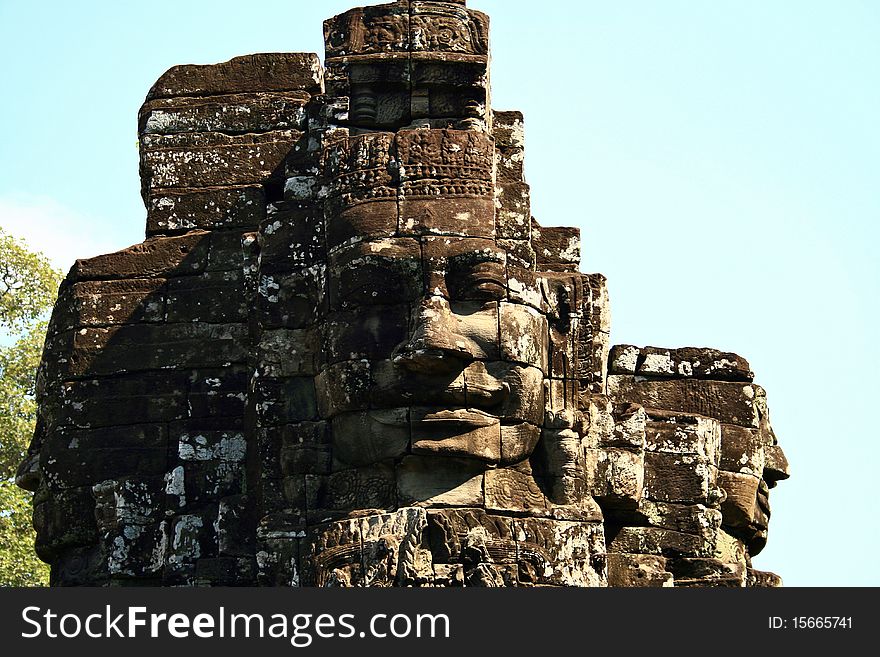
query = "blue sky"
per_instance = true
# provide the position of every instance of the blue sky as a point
(720, 158)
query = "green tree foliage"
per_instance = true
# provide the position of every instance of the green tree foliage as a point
(28, 286)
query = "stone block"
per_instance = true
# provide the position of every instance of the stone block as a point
(681, 478)
(459, 535)
(742, 450)
(637, 571)
(686, 362)
(292, 300)
(205, 209)
(513, 212)
(371, 333)
(138, 398)
(511, 490)
(292, 238)
(285, 400)
(344, 387)
(216, 297)
(683, 433)
(695, 519)
(456, 209)
(157, 257)
(229, 113)
(287, 353)
(739, 505)
(431, 481)
(615, 476)
(524, 336)
(206, 159)
(385, 272)
(144, 347)
(63, 520)
(656, 541)
(560, 553)
(264, 72)
(346, 491)
(104, 303)
(557, 248)
(727, 401)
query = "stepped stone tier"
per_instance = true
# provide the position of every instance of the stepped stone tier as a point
(347, 355)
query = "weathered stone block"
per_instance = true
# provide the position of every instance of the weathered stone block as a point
(453, 209)
(216, 297)
(637, 570)
(287, 352)
(143, 347)
(103, 303)
(460, 432)
(707, 572)
(393, 550)
(356, 221)
(729, 402)
(695, 519)
(344, 387)
(518, 442)
(285, 400)
(662, 542)
(230, 113)
(513, 213)
(681, 433)
(687, 362)
(510, 490)
(205, 159)
(439, 481)
(524, 335)
(509, 134)
(217, 395)
(139, 398)
(154, 258)
(461, 534)
(84, 466)
(557, 248)
(206, 209)
(345, 491)
(52, 521)
(262, 72)
(742, 450)
(682, 478)
(742, 495)
(385, 272)
(293, 300)
(615, 476)
(291, 238)
(371, 332)
(561, 553)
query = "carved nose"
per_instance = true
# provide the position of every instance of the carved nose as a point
(776, 465)
(433, 345)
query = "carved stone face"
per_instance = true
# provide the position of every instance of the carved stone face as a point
(456, 365)
(752, 462)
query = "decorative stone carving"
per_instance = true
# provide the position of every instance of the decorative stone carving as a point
(347, 355)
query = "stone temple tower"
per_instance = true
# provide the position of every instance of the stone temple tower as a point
(347, 355)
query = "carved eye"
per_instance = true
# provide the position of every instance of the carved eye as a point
(480, 281)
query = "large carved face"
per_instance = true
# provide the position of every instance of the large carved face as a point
(454, 364)
(752, 462)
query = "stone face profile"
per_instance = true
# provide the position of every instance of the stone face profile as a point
(347, 355)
